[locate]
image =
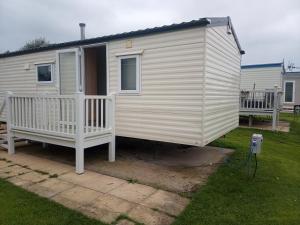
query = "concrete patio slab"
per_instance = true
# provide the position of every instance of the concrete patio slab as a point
(20, 182)
(125, 222)
(50, 187)
(92, 180)
(36, 163)
(96, 195)
(107, 208)
(149, 216)
(3, 164)
(12, 171)
(76, 197)
(168, 202)
(133, 192)
(33, 177)
(181, 168)
(282, 126)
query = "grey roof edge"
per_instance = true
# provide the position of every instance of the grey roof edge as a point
(226, 21)
(265, 65)
(297, 73)
(202, 22)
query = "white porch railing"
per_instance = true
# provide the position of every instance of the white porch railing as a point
(98, 114)
(77, 121)
(43, 113)
(261, 102)
(57, 114)
(258, 100)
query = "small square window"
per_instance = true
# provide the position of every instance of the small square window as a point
(129, 74)
(44, 73)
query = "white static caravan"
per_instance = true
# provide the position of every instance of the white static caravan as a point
(291, 90)
(261, 76)
(176, 83)
(261, 90)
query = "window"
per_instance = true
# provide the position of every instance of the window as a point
(289, 90)
(129, 70)
(44, 73)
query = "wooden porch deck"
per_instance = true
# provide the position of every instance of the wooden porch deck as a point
(261, 102)
(78, 121)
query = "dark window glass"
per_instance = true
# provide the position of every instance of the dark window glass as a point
(289, 91)
(44, 73)
(128, 74)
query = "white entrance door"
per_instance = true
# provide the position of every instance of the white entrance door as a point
(68, 69)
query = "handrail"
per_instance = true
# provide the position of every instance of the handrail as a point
(57, 114)
(260, 100)
(98, 113)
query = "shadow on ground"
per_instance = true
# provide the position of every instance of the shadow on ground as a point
(171, 167)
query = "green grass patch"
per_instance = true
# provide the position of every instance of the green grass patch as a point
(19, 207)
(271, 198)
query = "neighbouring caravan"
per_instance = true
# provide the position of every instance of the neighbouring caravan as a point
(178, 83)
(261, 91)
(261, 76)
(291, 90)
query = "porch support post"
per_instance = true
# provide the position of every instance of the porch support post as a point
(275, 108)
(10, 139)
(112, 144)
(79, 145)
(250, 120)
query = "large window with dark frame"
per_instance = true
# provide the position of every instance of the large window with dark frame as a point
(289, 91)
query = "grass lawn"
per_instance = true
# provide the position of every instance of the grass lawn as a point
(272, 198)
(19, 207)
(229, 198)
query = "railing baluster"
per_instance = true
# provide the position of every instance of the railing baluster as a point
(73, 116)
(101, 114)
(86, 115)
(12, 110)
(92, 115)
(55, 118)
(97, 114)
(30, 112)
(68, 115)
(63, 115)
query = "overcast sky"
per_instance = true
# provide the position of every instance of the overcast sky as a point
(269, 31)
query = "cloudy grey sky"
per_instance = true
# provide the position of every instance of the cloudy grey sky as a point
(267, 30)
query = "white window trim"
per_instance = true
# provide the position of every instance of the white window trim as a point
(52, 73)
(138, 74)
(293, 99)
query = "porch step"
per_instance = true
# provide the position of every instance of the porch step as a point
(3, 137)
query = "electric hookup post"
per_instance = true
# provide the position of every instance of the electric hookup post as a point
(254, 149)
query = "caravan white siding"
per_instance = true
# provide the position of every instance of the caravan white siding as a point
(263, 78)
(169, 107)
(222, 79)
(16, 78)
(189, 84)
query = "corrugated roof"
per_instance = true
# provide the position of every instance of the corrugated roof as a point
(210, 21)
(267, 65)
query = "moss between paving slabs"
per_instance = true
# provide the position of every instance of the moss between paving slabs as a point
(272, 198)
(19, 207)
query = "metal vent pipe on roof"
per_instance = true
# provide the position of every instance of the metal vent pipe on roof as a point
(82, 31)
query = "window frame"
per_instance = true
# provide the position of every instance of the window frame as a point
(284, 91)
(52, 73)
(138, 74)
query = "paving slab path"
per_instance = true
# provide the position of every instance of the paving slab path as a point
(109, 199)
